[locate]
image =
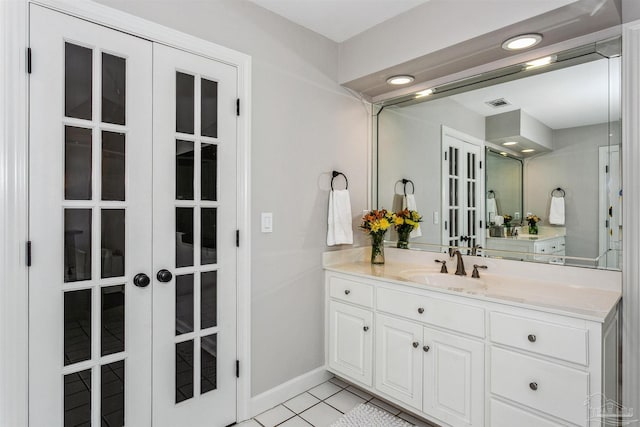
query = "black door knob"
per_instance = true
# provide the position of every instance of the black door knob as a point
(141, 280)
(164, 275)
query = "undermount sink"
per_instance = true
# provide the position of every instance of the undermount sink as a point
(447, 281)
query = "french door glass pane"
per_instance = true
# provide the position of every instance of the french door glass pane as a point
(77, 163)
(184, 304)
(113, 89)
(112, 394)
(185, 103)
(209, 108)
(208, 252)
(184, 170)
(78, 80)
(184, 371)
(113, 326)
(208, 299)
(77, 245)
(184, 237)
(113, 242)
(113, 166)
(77, 326)
(208, 361)
(77, 399)
(209, 166)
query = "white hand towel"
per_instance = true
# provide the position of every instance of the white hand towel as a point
(498, 220)
(409, 202)
(492, 209)
(556, 212)
(339, 231)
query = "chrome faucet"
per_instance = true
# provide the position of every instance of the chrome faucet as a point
(460, 267)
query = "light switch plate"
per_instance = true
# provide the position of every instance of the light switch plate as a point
(266, 221)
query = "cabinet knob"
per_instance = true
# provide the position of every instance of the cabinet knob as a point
(531, 338)
(347, 291)
(421, 310)
(533, 386)
(416, 344)
(426, 348)
(366, 328)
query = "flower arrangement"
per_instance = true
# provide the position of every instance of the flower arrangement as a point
(377, 222)
(507, 220)
(404, 222)
(533, 223)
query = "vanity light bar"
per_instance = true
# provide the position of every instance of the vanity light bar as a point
(541, 62)
(424, 93)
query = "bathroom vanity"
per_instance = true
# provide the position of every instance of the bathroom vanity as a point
(525, 344)
(548, 246)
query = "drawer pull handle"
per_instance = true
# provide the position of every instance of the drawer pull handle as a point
(421, 310)
(426, 348)
(416, 344)
(347, 291)
(366, 328)
(531, 338)
(533, 386)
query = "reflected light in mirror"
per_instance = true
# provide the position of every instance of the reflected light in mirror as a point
(510, 143)
(528, 150)
(541, 62)
(423, 93)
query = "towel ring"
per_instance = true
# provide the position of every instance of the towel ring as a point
(560, 190)
(491, 193)
(405, 182)
(334, 174)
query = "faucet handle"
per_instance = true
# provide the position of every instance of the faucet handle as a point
(475, 273)
(444, 266)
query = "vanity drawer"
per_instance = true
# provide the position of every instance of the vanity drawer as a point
(556, 390)
(435, 311)
(535, 336)
(351, 291)
(504, 415)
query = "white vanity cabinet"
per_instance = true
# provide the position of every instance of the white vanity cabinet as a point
(539, 248)
(459, 360)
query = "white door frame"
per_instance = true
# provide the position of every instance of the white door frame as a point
(14, 174)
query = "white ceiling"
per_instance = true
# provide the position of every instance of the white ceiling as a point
(338, 20)
(573, 96)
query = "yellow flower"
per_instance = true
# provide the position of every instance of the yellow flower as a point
(384, 224)
(397, 220)
(410, 222)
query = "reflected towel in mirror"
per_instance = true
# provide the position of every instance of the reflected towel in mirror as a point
(492, 209)
(409, 202)
(556, 211)
(339, 231)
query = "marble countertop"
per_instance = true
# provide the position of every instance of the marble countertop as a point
(570, 295)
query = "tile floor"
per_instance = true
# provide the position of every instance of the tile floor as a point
(323, 405)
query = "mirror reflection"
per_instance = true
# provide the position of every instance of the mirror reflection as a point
(524, 167)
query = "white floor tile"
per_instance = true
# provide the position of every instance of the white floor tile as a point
(363, 394)
(324, 390)
(274, 416)
(295, 422)
(344, 401)
(301, 402)
(385, 406)
(249, 423)
(321, 415)
(415, 421)
(339, 382)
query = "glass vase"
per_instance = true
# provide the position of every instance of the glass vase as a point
(377, 248)
(403, 239)
(533, 229)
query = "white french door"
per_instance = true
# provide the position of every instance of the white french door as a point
(462, 190)
(132, 222)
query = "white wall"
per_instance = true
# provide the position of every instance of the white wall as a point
(304, 125)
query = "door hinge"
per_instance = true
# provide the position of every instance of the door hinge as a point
(28, 60)
(480, 224)
(606, 169)
(445, 225)
(29, 253)
(237, 369)
(237, 238)
(445, 155)
(238, 107)
(480, 164)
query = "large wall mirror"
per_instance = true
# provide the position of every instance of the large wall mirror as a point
(537, 140)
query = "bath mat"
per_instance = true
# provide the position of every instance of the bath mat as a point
(365, 415)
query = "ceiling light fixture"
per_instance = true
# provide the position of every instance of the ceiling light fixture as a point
(423, 93)
(523, 41)
(528, 150)
(510, 143)
(503, 153)
(540, 62)
(400, 80)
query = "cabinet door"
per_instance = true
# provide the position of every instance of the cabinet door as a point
(399, 359)
(453, 378)
(350, 341)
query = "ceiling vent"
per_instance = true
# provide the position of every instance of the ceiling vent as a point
(497, 103)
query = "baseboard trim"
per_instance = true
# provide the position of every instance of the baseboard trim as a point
(286, 391)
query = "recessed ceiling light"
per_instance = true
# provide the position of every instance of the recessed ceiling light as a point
(425, 92)
(540, 62)
(400, 80)
(510, 143)
(522, 41)
(528, 150)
